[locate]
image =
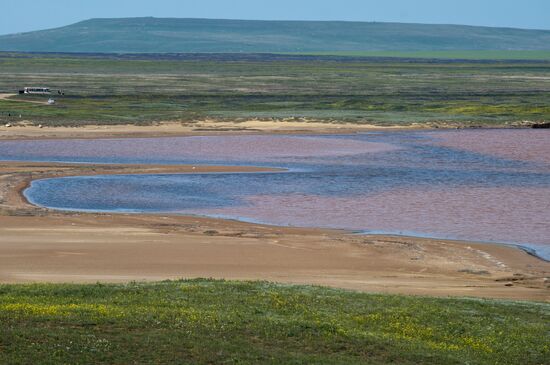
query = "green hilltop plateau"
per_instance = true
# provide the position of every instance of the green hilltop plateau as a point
(167, 35)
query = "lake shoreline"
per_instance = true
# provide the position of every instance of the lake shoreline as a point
(380, 263)
(28, 131)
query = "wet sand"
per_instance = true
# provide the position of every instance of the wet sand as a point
(40, 245)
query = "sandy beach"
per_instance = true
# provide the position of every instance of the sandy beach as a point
(40, 245)
(26, 130)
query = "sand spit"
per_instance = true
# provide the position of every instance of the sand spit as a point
(27, 130)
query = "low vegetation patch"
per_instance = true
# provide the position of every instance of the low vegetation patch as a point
(107, 90)
(208, 321)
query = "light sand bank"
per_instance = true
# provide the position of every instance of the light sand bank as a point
(25, 130)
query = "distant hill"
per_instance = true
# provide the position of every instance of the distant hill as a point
(148, 35)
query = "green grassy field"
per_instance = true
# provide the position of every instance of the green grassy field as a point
(215, 322)
(110, 90)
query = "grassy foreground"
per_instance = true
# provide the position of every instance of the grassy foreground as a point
(207, 321)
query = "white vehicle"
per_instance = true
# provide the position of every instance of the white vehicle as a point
(37, 90)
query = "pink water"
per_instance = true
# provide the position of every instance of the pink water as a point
(481, 185)
(227, 148)
(521, 144)
(488, 214)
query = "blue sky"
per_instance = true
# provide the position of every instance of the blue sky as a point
(27, 15)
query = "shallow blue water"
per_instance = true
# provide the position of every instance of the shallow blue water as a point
(419, 187)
